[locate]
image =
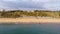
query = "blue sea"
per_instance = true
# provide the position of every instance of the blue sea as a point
(48, 28)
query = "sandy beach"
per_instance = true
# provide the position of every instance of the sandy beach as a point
(29, 20)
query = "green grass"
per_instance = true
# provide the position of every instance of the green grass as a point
(21, 13)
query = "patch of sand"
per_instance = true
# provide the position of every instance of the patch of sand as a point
(30, 20)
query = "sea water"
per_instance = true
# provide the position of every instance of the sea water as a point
(30, 29)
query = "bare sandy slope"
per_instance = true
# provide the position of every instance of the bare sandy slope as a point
(30, 20)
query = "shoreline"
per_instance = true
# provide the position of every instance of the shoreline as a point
(29, 20)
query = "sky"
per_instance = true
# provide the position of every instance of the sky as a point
(30, 4)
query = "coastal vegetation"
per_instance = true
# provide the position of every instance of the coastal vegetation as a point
(34, 13)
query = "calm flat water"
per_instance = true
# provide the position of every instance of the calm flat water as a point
(30, 29)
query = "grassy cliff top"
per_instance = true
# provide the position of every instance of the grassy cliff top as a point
(35, 13)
